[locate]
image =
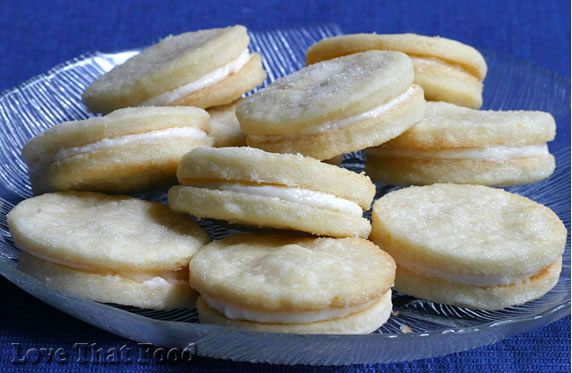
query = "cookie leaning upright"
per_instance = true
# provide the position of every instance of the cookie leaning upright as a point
(129, 150)
(225, 129)
(250, 186)
(446, 69)
(454, 144)
(469, 245)
(334, 107)
(111, 249)
(290, 284)
(202, 69)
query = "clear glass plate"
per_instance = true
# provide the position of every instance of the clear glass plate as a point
(417, 329)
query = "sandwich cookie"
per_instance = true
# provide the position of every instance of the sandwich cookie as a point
(291, 284)
(202, 69)
(465, 146)
(469, 245)
(225, 129)
(250, 186)
(129, 150)
(110, 249)
(446, 69)
(334, 107)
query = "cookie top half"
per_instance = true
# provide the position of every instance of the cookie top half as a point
(336, 89)
(278, 272)
(467, 230)
(451, 51)
(173, 62)
(98, 232)
(254, 166)
(450, 126)
(122, 122)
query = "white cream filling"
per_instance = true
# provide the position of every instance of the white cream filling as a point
(142, 277)
(206, 80)
(436, 62)
(334, 125)
(493, 153)
(142, 138)
(168, 276)
(296, 195)
(466, 279)
(234, 312)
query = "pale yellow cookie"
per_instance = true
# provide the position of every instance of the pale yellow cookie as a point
(250, 186)
(107, 248)
(363, 322)
(469, 245)
(139, 290)
(446, 69)
(479, 297)
(129, 150)
(203, 69)
(225, 129)
(454, 144)
(334, 107)
(293, 284)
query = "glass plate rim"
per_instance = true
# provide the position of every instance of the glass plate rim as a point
(18, 278)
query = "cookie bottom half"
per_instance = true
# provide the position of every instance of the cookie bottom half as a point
(361, 322)
(442, 83)
(403, 171)
(121, 169)
(229, 89)
(478, 297)
(155, 293)
(266, 212)
(366, 133)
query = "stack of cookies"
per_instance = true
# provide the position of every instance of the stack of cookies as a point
(287, 282)
(175, 116)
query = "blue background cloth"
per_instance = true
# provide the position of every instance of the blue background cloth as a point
(40, 34)
(36, 35)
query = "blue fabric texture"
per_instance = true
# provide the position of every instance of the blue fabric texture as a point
(39, 34)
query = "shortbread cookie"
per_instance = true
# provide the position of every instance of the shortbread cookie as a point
(334, 107)
(291, 284)
(225, 129)
(446, 69)
(202, 69)
(469, 245)
(110, 249)
(250, 186)
(129, 150)
(459, 145)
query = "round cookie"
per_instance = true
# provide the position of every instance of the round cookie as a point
(111, 249)
(334, 107)
(150, 292)
(469, 245)
(454, 144)
(446, 69)
(225, 129)
(127, 151)
(202, 69)
(250, 186)
(293, 284)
